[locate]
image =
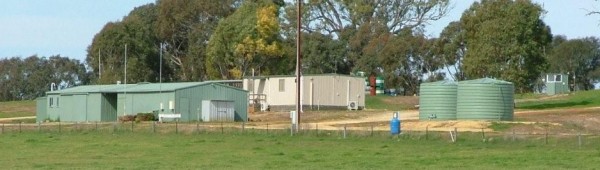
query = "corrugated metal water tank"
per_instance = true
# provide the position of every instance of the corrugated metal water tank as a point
(218, 111)
(485, 99)
(437, 100)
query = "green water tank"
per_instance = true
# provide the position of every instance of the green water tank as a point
(485, 99)
(437, 100)
(379, 84)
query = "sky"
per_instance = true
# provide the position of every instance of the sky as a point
(67, 27)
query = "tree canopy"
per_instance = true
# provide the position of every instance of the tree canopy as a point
(505, 39)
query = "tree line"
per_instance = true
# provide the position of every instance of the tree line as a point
(199, 40)
(31, 77)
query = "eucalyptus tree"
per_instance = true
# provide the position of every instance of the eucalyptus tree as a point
(505, 39)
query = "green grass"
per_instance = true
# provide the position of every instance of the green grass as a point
(91, 150)
(577, 99)
(498, 126)
(17, 109)
(529, 96)
(377, 102)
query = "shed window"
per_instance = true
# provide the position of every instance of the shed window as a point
(51, 102)
(281, 85)
(554, 78)
(57, 102)
(558, 78)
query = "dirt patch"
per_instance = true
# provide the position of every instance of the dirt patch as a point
(585, 120)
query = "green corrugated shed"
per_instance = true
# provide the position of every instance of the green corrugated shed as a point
(437, 100)
(108, 102)
(557, 84)
(40, 111)
(485, 99)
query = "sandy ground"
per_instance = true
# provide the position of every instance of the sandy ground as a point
(16, 118)
(526, 120)
(378, 120)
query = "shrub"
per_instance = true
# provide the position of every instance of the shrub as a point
(127, 118)
(145, 117)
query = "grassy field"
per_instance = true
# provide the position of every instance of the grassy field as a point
(577, 99)
(263, 151)
(17, 109)
(386, 102)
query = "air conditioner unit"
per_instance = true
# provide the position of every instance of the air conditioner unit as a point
(264, 107)
(352, 105)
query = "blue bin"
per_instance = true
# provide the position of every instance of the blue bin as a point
(395, 124)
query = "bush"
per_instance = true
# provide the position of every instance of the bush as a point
(145, 117)
(127, 118)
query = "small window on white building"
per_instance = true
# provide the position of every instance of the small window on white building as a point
(281, 85)
(57, 102)
(51, 102)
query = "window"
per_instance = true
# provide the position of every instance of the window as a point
(51, 102)
(57, 102)
(281, 85)
(554, 78)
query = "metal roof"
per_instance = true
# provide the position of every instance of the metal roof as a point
(303, 75)
(134, 88)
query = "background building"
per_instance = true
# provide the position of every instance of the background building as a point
(557, 83)
(325, 91)
(108, 102)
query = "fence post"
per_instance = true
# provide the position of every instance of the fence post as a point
(177, 127)
(59, 127)
(20, 124)
(579, 139)
(317, 128)
(197, 127)
(292, 129)
(2, 128)
(427, 132)
(222, 130)
(39, 127)
(96, 124)
(482, 135)
(267, 128)
(513, 135)
(546, 136)
(153, 126)
(131, 126)
(371, 130)
(114, 127)
(243, 127)
(455, 133)
(344, 131)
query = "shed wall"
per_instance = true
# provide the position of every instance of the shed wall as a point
(194, 96)
(41, 107)
(134, 103)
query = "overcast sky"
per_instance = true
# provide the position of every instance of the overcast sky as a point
(67, 27)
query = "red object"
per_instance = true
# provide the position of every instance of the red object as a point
(372, 83)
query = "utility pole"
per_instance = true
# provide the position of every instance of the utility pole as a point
(125, 92)
(99, 64)
(298, 63)
(160, 72)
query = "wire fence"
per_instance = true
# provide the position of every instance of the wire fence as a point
(342, 131)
